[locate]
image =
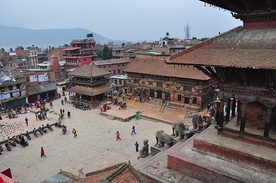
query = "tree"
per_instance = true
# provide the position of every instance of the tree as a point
(100, 53)
(107, 54)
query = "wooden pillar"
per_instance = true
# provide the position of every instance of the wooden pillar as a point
(243, 117)
(228, 110)
(239, 113)
(267, 122)
(220, 117)
(233, 107)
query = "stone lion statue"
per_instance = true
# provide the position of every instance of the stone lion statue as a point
(163, 138)
(144, 152)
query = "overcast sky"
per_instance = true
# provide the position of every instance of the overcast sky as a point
(128, 20)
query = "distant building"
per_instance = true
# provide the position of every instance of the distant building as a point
(113, 66)
(81, 52)
(12, 88)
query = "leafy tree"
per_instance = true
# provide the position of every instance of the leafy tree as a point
(100, 53)
(107, 53)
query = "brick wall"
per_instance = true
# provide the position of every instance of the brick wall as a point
(252, 111)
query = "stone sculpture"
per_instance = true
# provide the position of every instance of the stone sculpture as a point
(197, 122)
(144, 152)
(163, 138)
(181, 131)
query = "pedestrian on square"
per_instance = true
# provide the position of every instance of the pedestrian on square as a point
(137, 115)
(74, 131)
(42, 154)
(136, 146)
(27, 121)
(62, 102)
(118, 136)
(65, 100)
(51, 104)
(68, 114)
(36, 116)
(63, 111)
(133, 130)
(60, 111)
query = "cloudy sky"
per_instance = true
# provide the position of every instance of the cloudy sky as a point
(128, 20)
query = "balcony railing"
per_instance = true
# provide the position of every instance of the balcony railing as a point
(89, 83)
(17, 81)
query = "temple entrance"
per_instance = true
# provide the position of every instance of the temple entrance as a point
(255, 115)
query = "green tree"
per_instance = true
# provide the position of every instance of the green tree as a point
(107, 53)
(100, 53)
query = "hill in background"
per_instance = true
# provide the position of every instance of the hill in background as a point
(11, 37)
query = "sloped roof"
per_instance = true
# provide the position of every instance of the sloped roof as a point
(240, 47)
(122, 172)
(88, 71)
(157, 66)
(110, 62)
(89, 91)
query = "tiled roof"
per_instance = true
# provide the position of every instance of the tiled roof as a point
(157, 66)
(122, 172)
(240, 47)
(110, 62)
(88, 71)
(89, 91)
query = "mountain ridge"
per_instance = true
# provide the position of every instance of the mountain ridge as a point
(11, 37)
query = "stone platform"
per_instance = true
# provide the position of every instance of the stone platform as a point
(212, 158)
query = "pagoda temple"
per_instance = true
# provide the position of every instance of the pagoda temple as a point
(241, 145)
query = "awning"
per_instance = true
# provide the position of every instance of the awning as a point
(42, 88)
(50, 86)
(89, 91)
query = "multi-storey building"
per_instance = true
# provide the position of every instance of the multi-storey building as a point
(33, 58)
(81, 52)
(89, 84)
(113, 66)
(12, 89)
(151, 78)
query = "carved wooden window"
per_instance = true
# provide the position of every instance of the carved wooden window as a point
(179, 97)
(194, 100)
(186, 100)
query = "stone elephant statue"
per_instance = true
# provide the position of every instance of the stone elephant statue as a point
(181, 131)
(163, 138)
(197, 122)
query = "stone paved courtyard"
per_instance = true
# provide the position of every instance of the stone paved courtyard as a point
(94, 148)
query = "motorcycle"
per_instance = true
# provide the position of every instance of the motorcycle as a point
(43, 129)
(8, 147)
(27, 134)
(34, 132)
(64, 129)
(40, 131)
(58, 124)
(1, 149)
(23, 142)
(11, 141)
(49, 127)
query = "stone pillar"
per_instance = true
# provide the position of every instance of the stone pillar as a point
(267, 122)
(239, 113)
(233, 107)
(243, 116)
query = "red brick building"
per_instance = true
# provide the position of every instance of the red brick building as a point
(150, 77)
(81, 52)
(113, 66)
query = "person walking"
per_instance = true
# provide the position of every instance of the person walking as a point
(42, 154)
(74, 131)
(68, 114)
(136, 146)
(65, 100)
(136, 117)
(27, 121)
(133, 130)
(36, 116)
(118, 136)
(62, 102)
